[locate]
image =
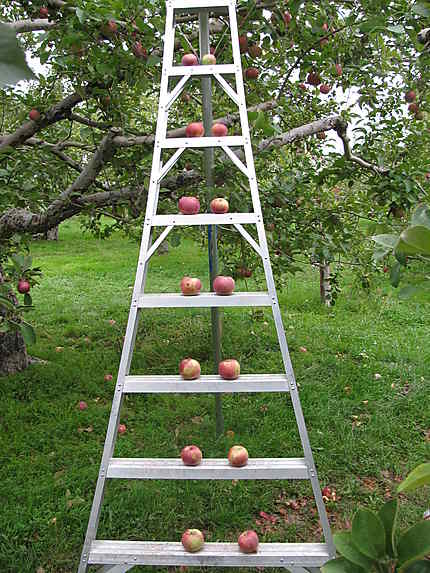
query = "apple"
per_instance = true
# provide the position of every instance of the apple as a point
(252, 73)
(190, 60)
(303, 87)
(413, 108)
(313, 79)
(224, 285)
(325, 88)
(208, 60)
(219, 206)
(219, 130)
(255, 51)
(189, 369)
(191, 456)
(325, 27)
(410, 96)
(108, 377)
(287, 18)
(110, 28)
(229, 369)
(190, 286)
(139, 51)
(186, 97)
(248, 542)
(189, 205)
(23, 286)
(386, 269)
(192, 540)
(321, 135)
(34, 115)
(83, 405)
(338, 69)
(244, 272)
(212, 50)
(122, 428)
(243, 44)
(238, 456)
(195, 129)
(44, 12)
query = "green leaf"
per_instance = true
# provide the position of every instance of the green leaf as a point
(395, 274)
(13, 67)
(341, 565)
(421, 216)
(27, 332)
(80, 14)
(27, 299)
(413, 544)
(388, 515)
(417, 478)
(4, 326)
(6, 303)
(261, 121)
(415, 240)
(345, 546)
(420, 9)
(389, 241)
(252, 115)
(397, 29)
(368, 534)
(419, 567)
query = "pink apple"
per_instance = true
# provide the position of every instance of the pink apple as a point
(191, 456)
(229, 369)
(238, 456)
(219, 206)
(224, 285)
(192, 540)
(108, 377)
(189, 205)
(190, 60)
(195, 129)
(190, 286)
(83, 405)
(219, 130)
(34, 115)
(209, 60)
(122, 428)
(23, 286)
(248, 542)
(189, 369)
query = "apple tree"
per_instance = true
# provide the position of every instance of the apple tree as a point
(337, 97)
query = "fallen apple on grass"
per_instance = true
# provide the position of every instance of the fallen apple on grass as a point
(193, 540)
(219, 206)
(190, 60)
(224, 285)
(195, 129)
(190, 286)
(248, 542)
(219, 130)
(108, 377)
(229, 369)
(83, 405)
(122, 428)
(189, 205)
(189, 369)
(191, 455)
(238, 456)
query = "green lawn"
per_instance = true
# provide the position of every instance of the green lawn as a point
(366, 431)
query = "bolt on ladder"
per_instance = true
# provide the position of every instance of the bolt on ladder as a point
(121, 556)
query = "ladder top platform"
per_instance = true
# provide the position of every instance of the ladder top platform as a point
(212, 554)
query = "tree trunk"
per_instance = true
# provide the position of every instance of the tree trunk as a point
(325, 286)
(13, 353)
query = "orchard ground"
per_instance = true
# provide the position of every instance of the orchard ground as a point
(363, 384)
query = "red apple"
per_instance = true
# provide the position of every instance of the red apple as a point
(229, 369)
(43, 12)
(23, 286)
(190, 286)
(248, 542)
(224, 285)
(34, 115)
(428, 176)
(243, 44)
(238, 456)
(313, 79)
(413, 108)
(108, 377)
(208, 60)
(255, 51)
(321, 135)
(386, 269)
(195, 129)
(191, 456)
(325, 27)
(338, 69)
(139, 51)
(219, 206)
(83, 405)
(122, 428)
(244, 272)
(410, 96)
(325, 88)
(192, 540)
(219, 130)
(190, 60)
(303, 87)
(251, 73)
(189, 369)
(189, 205)
(287, 18)
(212, 50)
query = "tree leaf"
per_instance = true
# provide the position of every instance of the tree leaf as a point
(81, 15)
(6, 303)
(417, 478)
(389, 241)
(27, 332)
(345, 546)
(395, 274)
(419, 567)
(13, 66)
(421, 216)
(414, 240)
(341, 565)
(420, 9)
(413, 544)
(388, 515)
(368, 534)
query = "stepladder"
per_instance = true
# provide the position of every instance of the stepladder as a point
(120, 556)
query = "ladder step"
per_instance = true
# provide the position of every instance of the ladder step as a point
(204, 219)
(213, 554)
(173, 468)
(193, 142)
(193, 4)
(205, 384)
(209, 299)
(202, 70)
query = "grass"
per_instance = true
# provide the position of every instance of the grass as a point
(366, 432)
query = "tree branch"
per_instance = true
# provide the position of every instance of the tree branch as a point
(21, 26)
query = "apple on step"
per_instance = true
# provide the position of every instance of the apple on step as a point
(193, 540)
(189, 205)
(191, 456)
(195, 129)
(189, 369)
(190, 286)
(238, 456)
(248, 542)
(190, 60)
(219, 130)
(224, 285)
(209, 60)
(229, 369)
(219, 205)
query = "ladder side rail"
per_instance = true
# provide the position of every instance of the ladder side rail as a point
(304, 438)
(132, 323)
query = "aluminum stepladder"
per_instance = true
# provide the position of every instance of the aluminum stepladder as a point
(121, 556)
